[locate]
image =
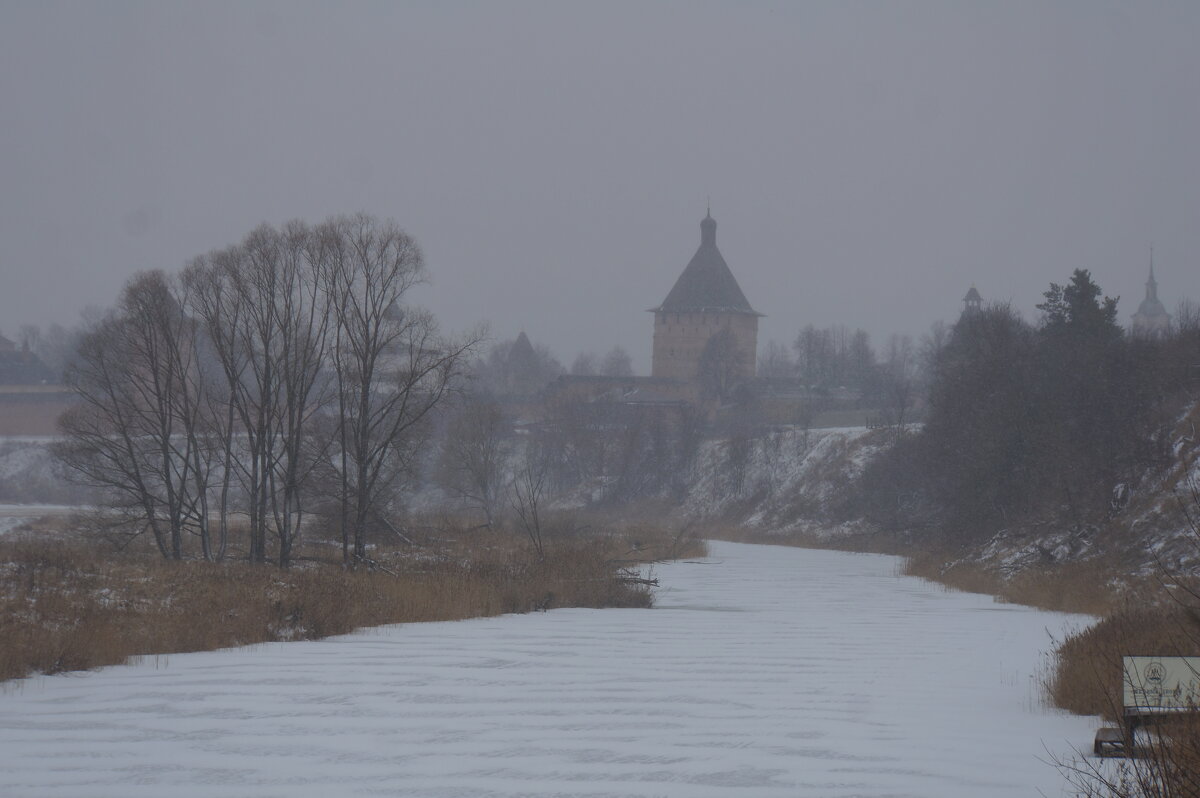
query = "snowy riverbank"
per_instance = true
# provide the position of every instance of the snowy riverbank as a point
(764, 671)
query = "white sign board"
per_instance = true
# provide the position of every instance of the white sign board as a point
(1161, 683)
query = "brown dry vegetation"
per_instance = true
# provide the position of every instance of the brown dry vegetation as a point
(1090, 587)
(71, 604)
(1166, 761)
(1088, 678)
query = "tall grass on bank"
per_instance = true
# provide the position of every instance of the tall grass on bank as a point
(72, 604)
(1087, 587)
(1088, 680)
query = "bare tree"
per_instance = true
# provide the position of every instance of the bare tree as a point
(302, 320)
(526, 496)
(898, 375)
(266, 319)
(476, 453)
(776, 363)
(584, 364)
(616, 363)
(1187, 316)
(218, 308)
(139, 430)
(279, 346)
(392, 368)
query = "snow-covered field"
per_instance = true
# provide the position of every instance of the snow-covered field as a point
(14, 515)
(764, 671)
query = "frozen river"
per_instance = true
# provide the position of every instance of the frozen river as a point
(764, 671)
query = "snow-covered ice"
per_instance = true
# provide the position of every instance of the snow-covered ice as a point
(764, 671)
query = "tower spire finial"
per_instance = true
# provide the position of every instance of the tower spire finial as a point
(1151, 283)
(708, 229)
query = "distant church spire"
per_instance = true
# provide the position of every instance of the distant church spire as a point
(708, 229)
(1152, 284)
(1151, 317)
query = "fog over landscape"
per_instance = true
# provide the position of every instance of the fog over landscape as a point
(339, 451)
(866, 163)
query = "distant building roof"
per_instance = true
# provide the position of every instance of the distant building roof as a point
(706, 282)
(973, 295)
(522, 347)
(6, 345)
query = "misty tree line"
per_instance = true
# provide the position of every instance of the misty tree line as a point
(837, 361)
(610, 450)
(569, 441)
(616, 451)
(1037, 423)
(519, 368)
(281, 376)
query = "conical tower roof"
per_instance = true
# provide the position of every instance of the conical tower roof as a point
(706, 284)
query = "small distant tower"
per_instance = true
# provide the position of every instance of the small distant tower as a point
(1151, 317)
(706, 299)
(972, 303)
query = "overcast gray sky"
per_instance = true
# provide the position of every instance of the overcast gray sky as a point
(867, 162)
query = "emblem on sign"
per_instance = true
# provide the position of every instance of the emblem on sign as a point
(1154, 673)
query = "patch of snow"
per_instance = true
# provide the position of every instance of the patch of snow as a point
(12, 516)
(36, 510)
(9, 524)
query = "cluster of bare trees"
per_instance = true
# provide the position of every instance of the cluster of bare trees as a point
(477, 456)
(622, 451)
(280, 374)
(615, 363)
(516, 369)
(834, 357)
(612, 450)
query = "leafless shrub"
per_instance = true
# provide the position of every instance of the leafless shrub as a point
(475, 455)
(526, 496)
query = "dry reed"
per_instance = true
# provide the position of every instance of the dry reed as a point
(75, 604)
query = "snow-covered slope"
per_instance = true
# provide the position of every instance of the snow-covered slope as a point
(764, 671)
(788, 480)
